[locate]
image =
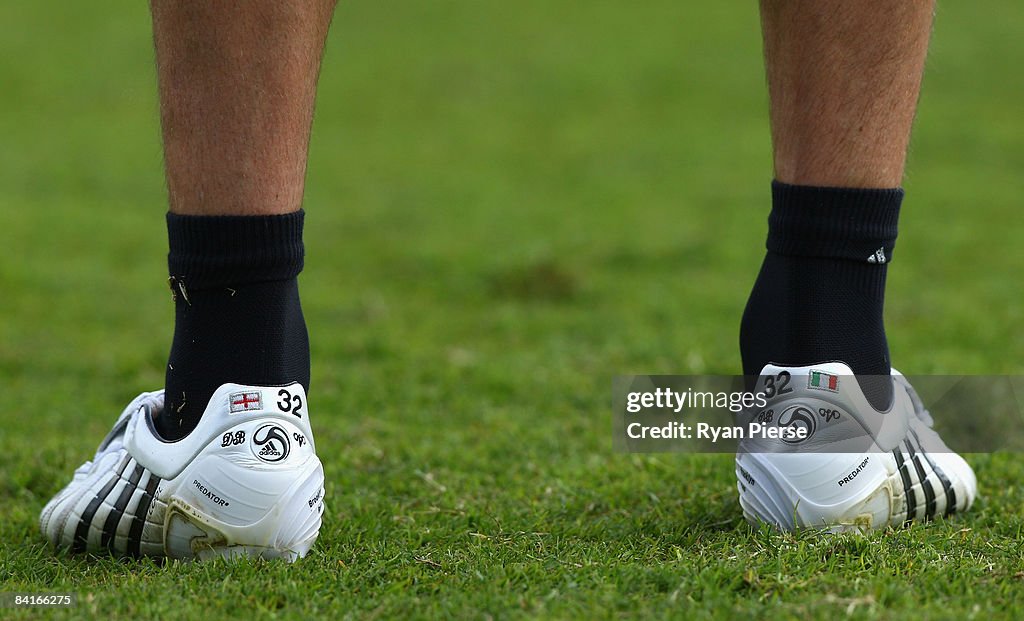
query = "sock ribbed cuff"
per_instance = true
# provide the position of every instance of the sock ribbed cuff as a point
(843, 223)
(217, 251)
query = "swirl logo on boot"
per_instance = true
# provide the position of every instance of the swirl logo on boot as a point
(798, 416)
(270, 444)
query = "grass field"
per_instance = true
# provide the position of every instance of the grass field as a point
(508, 204)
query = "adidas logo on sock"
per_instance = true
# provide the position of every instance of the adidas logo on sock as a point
(877, 256)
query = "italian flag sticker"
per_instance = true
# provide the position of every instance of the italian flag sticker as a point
(823, 381)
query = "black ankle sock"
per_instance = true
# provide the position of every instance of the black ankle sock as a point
(237, 312)
(819, 294)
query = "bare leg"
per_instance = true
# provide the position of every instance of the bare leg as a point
(237, 87)
(843, 78)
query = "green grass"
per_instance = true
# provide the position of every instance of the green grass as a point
(508, 204)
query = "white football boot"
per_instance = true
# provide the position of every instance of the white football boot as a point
(245, 482)
(856, 469)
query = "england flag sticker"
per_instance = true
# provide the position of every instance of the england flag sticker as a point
(248, 401)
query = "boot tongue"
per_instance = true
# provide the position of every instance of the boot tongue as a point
(153, 402)
(920, 410)
(114, 439)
